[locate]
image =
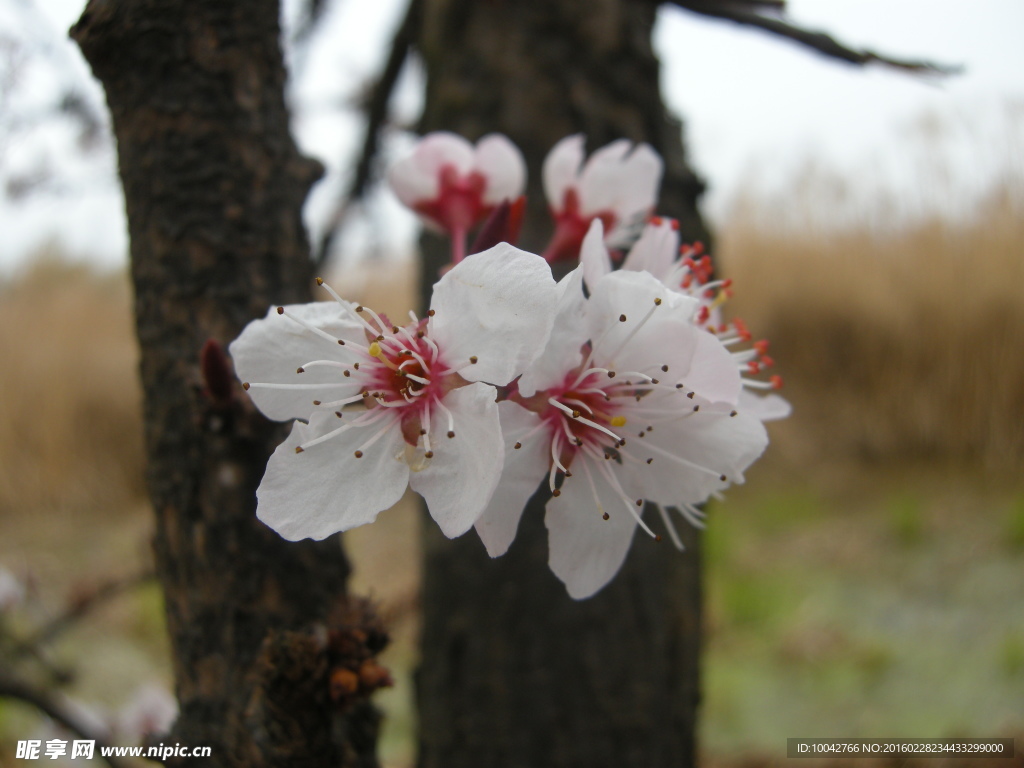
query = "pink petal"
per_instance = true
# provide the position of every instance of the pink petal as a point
(561, 169)
(503, 166)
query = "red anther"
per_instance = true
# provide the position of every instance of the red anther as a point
(655, 220)
(727, 283)
(754, 367)
(698, 247)
(776, 382)
(766, 361)
(703, 314)
(687, 281)
(674, 223)
(728, 293)
(761, 346)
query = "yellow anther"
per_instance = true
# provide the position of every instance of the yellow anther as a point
(374, 350)
(618, 421)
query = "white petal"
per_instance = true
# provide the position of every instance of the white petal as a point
(594, 256)
(497, 306)
(586, 551)
(562, 352)
(524, 468)
(713, 373)
(502, 164)
(655, 251)
(601, 177)
(413, 184)
(460, 479)
(632, 295)
(561, 169)
(769, 407)
(709, 439)
(637, 189)
(326, 489)
(270, 350)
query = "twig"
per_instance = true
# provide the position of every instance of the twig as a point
(376, 109)
(12, 688)
(78, 608)
(738, 12)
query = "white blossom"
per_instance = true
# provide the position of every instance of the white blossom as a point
(382, 406)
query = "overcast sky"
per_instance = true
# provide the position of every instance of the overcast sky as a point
(756, 107)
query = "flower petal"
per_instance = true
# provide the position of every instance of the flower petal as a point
(270, 350)
(713, 373)
(586, 551)
(690, 455)
(637, 190)
(458, 482)
(325, 488)
(770, 407)
(416, 178)
(498, 307)
(655, 251)
(562, 168)
(601, 177)
(502, 164)
(562, 352)
(524, 468)
(594, 256)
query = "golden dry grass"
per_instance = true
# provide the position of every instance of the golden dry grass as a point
(896, 344)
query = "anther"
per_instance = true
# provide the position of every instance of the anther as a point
(346, 372)
(298, 449)
(658, 537)
(732, 413)
(639, 502)
(649, 461)
(338, 414)
(611, 374)
(316, 402)
(679, 386)
(655, 381)
(280, 310)
(690, 395)
(300, 369)
(359, 454)
(319, 281)
(517, 446)
(696, 408)
(473, 359)
(341, 342)
(605, 516)
(429, 454)
(394, 329)
(431, 313)
(657, 302)
(556, 492)
(568, 473)
(575, 414)
(723, 478)
(245, 385)
(423, 432)
(356, 366)
(622, 318)
(664, 369)
(451, 433)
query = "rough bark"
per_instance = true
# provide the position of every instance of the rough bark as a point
(213, 186)
(514, 673)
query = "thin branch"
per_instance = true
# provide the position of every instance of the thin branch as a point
(79, 607)
(738, 11)
(13, 688)
(376, 109)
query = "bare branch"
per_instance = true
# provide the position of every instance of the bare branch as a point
(13, 688)
(740, 12)
(376, 109)
(78, 607)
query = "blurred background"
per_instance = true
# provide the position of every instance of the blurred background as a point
(867, 580)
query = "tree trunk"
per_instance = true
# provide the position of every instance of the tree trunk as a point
(515, 673)
(213, 186)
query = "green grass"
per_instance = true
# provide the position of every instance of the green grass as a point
(886, 611)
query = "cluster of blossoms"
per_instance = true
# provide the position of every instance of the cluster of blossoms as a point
(622, 388)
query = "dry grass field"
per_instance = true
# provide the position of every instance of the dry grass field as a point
(865, 582)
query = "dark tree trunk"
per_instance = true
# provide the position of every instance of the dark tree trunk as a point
(514, 673)
(213, 186)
